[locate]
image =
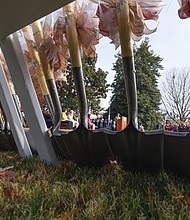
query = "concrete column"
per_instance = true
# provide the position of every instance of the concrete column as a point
(25, 90)
(13, 116)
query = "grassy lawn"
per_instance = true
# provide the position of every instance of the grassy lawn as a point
(34, 190)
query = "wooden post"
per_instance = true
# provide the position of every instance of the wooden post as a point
(127, 56)
(72, 38)
(38, 69)
(38, 36)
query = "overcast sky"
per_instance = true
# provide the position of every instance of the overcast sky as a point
(171, 42)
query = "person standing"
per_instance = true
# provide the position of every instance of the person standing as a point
(71, 118)
(91, 125)
(64, 114)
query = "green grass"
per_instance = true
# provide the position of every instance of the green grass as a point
(40, 191)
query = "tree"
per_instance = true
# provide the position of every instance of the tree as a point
(118, 100)
(175, 92)
(147, 66)
(95, 84)
(67, 91)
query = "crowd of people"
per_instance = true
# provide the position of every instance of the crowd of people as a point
(102, 122)
(68, 115)
(96, 123)
(181, 127)
(72, 117)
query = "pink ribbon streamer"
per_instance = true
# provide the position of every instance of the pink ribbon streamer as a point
(184, 11)
(95, 18)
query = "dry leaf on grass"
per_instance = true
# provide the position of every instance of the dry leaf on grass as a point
(24, 176)
(6, 193)
(10, 192)
(65, 217)
(10, 157)
(5, 173)
(184, 199)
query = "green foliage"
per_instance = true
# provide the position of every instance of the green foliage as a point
(39, 191)
(67, 91)
(95, 85)
(118, 100)
(147, 66)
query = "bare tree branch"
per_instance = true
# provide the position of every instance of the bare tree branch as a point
(175, 93)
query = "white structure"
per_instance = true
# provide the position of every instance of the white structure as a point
(14, 15)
